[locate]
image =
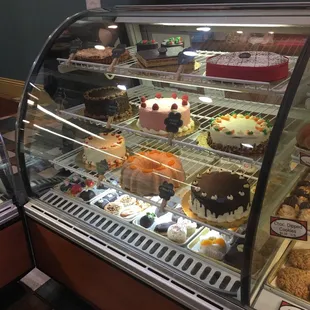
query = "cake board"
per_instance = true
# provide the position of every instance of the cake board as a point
(186, 208)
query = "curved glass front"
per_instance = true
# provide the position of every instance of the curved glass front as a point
(163, 126)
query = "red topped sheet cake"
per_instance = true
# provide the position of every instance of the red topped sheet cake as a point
(254, 66)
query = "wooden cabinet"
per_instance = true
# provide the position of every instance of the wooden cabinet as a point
(15, 258)
(102, 284)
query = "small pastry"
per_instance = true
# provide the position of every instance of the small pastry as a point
(87, 195)
(112, 208)
(163, 227)
(126, 200)
(147, 220)
(129, 211)
(102, 203)
(89, 183)
(291, 201)
(306, 189)
(213, 247)
(76, 189)
(302, 199)
(143, 205)
(300, 192)
(177, 233)
(304, 215)
(76, 179)
(303, 183)
(111, 197)
(65, 186)
(287, 212)
(189, 225)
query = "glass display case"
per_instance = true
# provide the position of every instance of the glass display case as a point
(8, 211)
(167, 142)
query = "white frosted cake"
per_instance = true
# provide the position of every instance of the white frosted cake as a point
(110, 146)
(240, 134)
(153, 112)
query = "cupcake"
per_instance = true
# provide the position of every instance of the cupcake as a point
(189, 225)
(177, 233)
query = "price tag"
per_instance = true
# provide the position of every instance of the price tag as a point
(112, 109)
(173, 122)
(165, 193)
(116, 54)
(102, 167)
(287, 228)
(304, 159)
(184, 58)
(286, 306)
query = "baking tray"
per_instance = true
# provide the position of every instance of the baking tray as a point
(97, 191)
(119, 194)
(165, 218)
(282, 263)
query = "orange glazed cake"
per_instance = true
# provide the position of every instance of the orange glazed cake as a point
(144, 172)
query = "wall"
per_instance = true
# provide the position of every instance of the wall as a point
(25, 25)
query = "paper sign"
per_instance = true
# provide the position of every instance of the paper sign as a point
(287, 228)
(304, 159)
(286, 306)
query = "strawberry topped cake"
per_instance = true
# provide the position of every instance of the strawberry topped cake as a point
(254, 66)
(153, 112)
(239, 134)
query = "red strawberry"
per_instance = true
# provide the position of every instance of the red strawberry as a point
(89, 183)
(174, 106)
(153, 41)
(185, 97)
(143, 105)
(143, 99)
(144, 41)
(174, 96)
(170, 43)
(184, 102)
(155, 107)
(158, 95)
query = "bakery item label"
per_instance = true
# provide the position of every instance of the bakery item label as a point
(287, 228)
(286, 306)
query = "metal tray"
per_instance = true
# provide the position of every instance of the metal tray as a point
(109, 191)
(282, 263)
(161, 219)
(194, 247)
(94, 189)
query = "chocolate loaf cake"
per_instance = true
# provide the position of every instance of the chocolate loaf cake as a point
(97, 103)
(99, 56)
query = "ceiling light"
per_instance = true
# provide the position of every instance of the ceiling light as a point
(240, 32)
(190, 53)
(205, 99)
(205, 29)
(99, 47)
(271, 32)
(113, 26)
(247, 145)
(122, 87)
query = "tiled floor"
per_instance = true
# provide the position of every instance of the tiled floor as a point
(36, 291)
